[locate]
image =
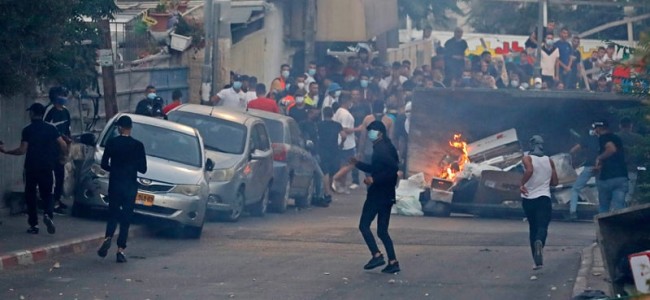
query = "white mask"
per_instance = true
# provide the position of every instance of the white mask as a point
(301, 85)
(300, 100)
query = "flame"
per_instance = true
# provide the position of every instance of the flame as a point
(452, 169)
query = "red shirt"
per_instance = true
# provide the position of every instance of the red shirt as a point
(265, 104)
(171, 106)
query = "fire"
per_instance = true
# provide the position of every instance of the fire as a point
(451, 169)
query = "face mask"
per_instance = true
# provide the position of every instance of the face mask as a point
(301, 85)
(300, 100)
(373, 135)
(549, 42)
(311, 72)
(151, 96)
(514, 83)
(592, 132)
(236, 85)
(337, 93)
(364, 83)
(61, 100)
(285, 74)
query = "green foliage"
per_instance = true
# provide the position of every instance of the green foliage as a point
(429, 12)
(521, 18)
(191, 29)
(48, 41)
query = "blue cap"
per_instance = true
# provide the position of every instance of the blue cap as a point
(333, 87)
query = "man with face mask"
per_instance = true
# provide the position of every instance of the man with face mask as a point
(587, 148)
(232, 97)
(550, 61)
(280, 85)
(333, 94)
(380, 198)
(151, 105)
(58, 115)
(299, 111)
(312, 68)
(612, 181)
(539, 176)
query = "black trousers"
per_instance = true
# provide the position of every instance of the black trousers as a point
(538, 212)
(41, 178)
(59, 176)
(121, 201)
(381, 210)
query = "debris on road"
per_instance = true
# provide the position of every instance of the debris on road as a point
(391, 281)
(533, 277)
(326, 273)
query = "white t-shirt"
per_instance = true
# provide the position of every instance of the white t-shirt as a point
(345, 118)
(548, 62)
(308, 81)
(329, 101)
(230, 98)
(539, 183)
(250, 96)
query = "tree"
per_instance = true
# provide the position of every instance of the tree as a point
(49, 41)
(521, 18)
(429, 12)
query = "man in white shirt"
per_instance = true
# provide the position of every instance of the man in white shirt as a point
(249, 83)
(550, 62)
(395, 79)
(232, 97)
(309, 75)
(349, 144)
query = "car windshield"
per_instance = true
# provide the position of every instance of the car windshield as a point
(164, 143)
(276, 130)
(218, 135)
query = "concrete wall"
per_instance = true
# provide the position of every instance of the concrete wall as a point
(13, 118)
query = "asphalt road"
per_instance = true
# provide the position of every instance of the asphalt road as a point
(318, 253)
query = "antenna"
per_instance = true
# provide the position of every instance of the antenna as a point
(211, 110)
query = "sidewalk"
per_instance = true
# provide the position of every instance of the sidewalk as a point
(592, 274)
(73, 235)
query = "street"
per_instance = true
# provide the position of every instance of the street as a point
(318, 253)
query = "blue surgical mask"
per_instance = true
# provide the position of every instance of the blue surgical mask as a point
(364, 83)
(151, 96)
(285, 74)
(61, 100)
(549, 42)
(236, 85)
(373, 135)
(337, 93)
(311, 72)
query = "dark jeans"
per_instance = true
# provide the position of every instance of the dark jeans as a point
(538, 213)
(43, 180)
(59, 176)
(121, 202)
(372, 208)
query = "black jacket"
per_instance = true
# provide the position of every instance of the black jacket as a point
(383, 169)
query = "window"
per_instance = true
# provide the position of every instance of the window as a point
(296, 137)
(218, 135)
(263, 138)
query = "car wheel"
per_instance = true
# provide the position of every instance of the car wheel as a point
(440, 209)
(237, 208)
(279, 201)
(192, 232)
(259, 209)
(305, 201)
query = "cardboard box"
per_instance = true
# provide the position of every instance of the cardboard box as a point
(640, 263)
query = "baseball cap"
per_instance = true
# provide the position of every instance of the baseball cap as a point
(377, 125)
(600, 123)
(37, 109)
(333, 87)
(124, 122)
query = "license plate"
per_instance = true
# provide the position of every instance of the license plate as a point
(144, 199)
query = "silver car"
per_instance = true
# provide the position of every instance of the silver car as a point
(240, 147)
(175, 186)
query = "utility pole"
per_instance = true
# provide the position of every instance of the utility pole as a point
(221, 51)
(310, 31)
(108, 70)
(206, 72)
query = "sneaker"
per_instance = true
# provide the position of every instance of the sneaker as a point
(537, 267)
(120, 257)
(59, 210)
(375, 262)
(103, 249)
(50, 225)
(335, 188)
(328, 199)
(33, 230)
(354, 186)
(391, 268)
(537, 255)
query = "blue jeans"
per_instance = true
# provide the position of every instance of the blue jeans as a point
(611, 194)
(580, 184)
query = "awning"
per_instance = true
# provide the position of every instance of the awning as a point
(242, 10)
(354, 20)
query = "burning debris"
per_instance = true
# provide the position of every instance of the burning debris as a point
(452, 165)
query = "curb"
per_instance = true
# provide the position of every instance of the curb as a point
(586, 263)
(79, 245)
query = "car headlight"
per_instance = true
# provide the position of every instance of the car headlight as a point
(98, 171)
(186, 189)
(223, 174)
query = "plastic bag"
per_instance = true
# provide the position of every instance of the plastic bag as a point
(407, 202)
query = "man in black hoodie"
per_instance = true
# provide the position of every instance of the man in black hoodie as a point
(381, 196)
(58, 115)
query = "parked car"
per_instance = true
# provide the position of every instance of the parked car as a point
(240, 147)
(175, 186)
(293, 165)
